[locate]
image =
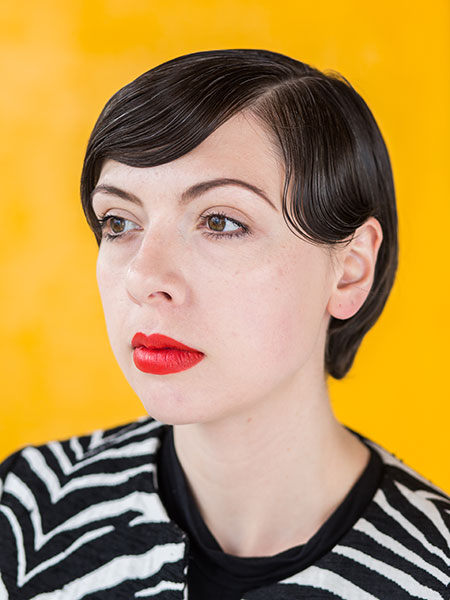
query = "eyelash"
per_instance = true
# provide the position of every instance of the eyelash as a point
(104, 220)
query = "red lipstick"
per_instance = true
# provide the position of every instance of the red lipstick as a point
(160, 355)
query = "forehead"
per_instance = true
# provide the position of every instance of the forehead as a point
(241, 149)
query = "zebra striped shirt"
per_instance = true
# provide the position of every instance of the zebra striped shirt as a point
(82, 518)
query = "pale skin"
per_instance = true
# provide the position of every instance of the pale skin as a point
(254, 431)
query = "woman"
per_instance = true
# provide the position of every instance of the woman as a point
(244, 209)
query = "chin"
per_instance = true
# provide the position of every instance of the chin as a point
(169, 418)
(172, 409)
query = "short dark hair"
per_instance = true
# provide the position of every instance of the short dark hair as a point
(338, 172)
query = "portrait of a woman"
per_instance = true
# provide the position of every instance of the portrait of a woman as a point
(244, 209)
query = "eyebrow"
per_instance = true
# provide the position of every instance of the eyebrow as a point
(192, 192)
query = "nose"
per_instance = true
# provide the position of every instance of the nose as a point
(154, 273)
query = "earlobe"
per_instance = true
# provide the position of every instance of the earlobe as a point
(356, 270)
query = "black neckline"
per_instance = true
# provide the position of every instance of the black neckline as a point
(208, 563)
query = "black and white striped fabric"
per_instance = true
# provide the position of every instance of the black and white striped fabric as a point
(82, 518)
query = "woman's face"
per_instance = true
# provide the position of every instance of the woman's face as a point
(212, 264)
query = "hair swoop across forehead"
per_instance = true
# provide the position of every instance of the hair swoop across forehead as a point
(338, 172)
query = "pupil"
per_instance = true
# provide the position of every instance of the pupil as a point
(117, 225)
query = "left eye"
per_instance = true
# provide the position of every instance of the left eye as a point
(218, 225)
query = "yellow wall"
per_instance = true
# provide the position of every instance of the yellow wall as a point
(60, 62)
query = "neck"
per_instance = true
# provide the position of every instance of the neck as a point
(266, 480)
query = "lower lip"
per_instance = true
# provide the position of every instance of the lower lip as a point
(165, 360)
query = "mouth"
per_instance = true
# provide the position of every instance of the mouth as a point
(161, 355)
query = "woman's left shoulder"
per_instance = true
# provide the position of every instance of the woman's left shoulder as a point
(417, 506)
(399, 472)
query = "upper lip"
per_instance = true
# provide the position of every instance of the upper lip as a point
(157, 341)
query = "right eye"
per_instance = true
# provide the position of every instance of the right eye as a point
(113, 227)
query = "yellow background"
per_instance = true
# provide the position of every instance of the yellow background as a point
(59, 63)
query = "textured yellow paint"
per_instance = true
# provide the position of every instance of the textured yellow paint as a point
(60, 61)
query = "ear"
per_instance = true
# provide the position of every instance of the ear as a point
(355, 270)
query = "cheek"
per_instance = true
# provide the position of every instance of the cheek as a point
(105, 279)
(111, 291)
(111, 270)
(273, 313)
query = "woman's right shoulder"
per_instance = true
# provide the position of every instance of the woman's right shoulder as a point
(82, 512)
(57, 462)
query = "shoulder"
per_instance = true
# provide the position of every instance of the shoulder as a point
(405, 490)
(90, 460)
(404, 534)
(60, 478)
(77, 509)
(77, 471)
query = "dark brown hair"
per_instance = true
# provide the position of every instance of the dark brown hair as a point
(338, 172)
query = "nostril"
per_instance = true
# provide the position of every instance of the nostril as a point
(165, 294)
